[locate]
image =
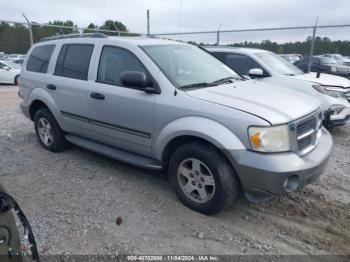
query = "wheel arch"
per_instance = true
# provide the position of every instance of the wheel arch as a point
(189, 129)
(40, 98)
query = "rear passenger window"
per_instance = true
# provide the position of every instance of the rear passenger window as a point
(39, 58)
(74, 60)
(113, 62)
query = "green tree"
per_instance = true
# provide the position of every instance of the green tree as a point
(114, 26)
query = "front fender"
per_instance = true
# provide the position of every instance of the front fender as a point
(43, 96)
(200, 127)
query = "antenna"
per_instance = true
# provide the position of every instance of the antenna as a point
(180, 20)
(148, 23)
(178, 52)
(218, 34)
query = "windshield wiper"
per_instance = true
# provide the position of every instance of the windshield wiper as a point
(196, 85)
(225, 80)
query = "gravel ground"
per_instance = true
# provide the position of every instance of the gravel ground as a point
(73, 199)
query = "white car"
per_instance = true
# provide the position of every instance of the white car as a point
(341, 60)
(333, 91)
(13, 57)
(9, 72)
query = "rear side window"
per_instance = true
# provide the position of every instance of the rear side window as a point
(115, 61)
(74, 60)
(39, 58)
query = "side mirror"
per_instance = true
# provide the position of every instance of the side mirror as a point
(6, 68)
(136, 79)
(256, 73)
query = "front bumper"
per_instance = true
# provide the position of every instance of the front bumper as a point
(339, 119)
(264, 175)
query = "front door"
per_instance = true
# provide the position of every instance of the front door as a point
(118, 115)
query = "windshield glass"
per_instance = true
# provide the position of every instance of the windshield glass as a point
(278, 64)
(328, 60)
(188, 65)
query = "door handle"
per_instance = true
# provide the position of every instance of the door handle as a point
(97, 96)
(51, 87)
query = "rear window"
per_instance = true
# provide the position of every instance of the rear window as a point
(39, 58)
(73, 61)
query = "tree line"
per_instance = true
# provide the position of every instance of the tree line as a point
(323, 45)
(14, 38)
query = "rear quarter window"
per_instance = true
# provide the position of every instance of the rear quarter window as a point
(74, 60)
(39, 58)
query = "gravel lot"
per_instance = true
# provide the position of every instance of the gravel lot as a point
(73, 198)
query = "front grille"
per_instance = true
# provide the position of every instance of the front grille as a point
(305, 126)
(343, 70)
(307, 132)
(304, 143)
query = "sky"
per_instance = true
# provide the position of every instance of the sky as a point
(195, 15)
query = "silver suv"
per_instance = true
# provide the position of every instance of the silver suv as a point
(161, 104)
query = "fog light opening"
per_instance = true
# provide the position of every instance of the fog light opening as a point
(291, 183)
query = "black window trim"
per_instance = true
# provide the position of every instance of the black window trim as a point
(49, 60)
(69, 44)
(154, 82)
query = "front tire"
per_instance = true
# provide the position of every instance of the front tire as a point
(48, 132)
(202, 178)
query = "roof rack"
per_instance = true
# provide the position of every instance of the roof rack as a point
(86, 35)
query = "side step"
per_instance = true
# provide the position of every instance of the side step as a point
(115, 153)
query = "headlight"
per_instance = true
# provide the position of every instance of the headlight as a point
(336, 109)
(269, 139)
(331, 91)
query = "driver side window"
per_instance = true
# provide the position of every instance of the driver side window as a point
(113, 62)
(2, 65)
(239, 63)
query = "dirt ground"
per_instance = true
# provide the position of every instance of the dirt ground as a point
(73, 198)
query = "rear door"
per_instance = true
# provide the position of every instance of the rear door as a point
(69, 85)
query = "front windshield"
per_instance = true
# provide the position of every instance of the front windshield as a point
(186, 65)
(278, 64)
(328, 60)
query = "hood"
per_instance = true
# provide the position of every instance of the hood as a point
(260, 99)
(325, 79)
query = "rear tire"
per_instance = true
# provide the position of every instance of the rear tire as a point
(202, 178)
(48, 132)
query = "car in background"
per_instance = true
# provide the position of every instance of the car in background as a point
(13, 57)
(325, 65)
(341, 60)
(291, 58)
(268, 67)
(9, 72)
(18, 61)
